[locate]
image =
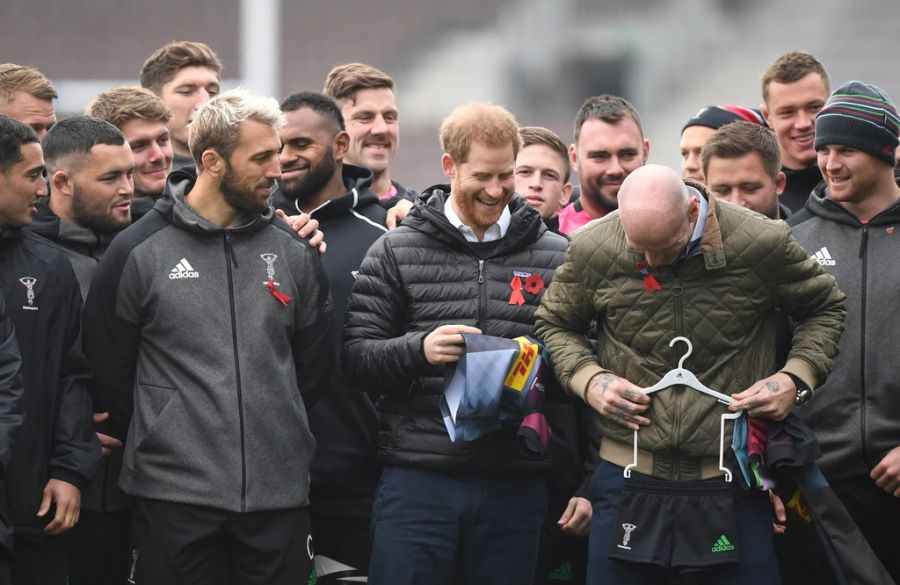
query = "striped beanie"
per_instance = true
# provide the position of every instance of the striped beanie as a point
(717, 116)
(861, 116)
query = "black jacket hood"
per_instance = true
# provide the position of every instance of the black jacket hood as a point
(820, 204)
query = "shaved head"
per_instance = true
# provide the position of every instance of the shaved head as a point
(658, 213)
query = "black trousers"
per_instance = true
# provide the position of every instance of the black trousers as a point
(182, 544)
(39, 560)
(99, 548)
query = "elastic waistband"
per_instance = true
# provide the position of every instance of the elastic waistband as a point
(621, 454)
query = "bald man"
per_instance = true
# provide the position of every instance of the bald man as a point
(672, 261)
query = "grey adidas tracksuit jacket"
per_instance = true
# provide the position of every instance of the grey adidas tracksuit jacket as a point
(196, 357)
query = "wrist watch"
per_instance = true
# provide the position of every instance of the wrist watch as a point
(803, 391)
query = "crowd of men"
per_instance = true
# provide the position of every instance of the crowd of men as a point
(226, 330)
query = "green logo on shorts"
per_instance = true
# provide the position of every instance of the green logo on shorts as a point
(723, 545)
(562, 573)
(313, 578)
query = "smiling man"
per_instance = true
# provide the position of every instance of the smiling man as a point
(444, 507)
(794, 88)
(609, 145)
(185, 74)
(850, 226)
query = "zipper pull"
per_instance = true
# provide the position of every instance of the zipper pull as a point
(481, 272)
(864, 240)
(234, 261)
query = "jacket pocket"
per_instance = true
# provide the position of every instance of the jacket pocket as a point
(151, 404)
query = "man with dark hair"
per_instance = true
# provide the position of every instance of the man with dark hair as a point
(701, 127)
(91, 168)
(849, 227)
(465, 510)
(315, 178)
(542, 173)
(795, 87)
(56, 451)
(715, 272)
(742, 165)
(366, 97)
(218, 450)
(609, 144)
(185, 74)
(27, 95)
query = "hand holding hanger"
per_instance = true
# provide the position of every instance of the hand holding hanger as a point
(618, 399)
(771, 398)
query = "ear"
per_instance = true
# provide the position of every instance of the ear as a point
(448, 165)
(61, 182)
(646, 150)
(573, 157)
(693, 209)
(780, 183)
(212, 162)
(565, 195)
(340, 145)
(765, 113)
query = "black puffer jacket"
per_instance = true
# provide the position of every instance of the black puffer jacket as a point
(57, 440)
(420, 276)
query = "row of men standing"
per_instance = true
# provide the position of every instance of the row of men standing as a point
(303, 189)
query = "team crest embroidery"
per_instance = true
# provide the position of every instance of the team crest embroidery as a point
(270, 283)
(29, 282)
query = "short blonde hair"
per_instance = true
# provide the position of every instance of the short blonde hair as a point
(217, 123)
(125, 103)
(792, 67)
(15, 78)
(483, 123)
(165, 63)
(344, 81)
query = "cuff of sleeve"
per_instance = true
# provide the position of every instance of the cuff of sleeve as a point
(579, 382)
(67, 476)
(802, 370)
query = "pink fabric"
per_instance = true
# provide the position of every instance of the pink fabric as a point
(389, 194)
(572, 218)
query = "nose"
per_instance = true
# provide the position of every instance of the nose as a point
(804, 119)
(379, 126)
(831, 160)
(691, 164)
(494, 188)
(273, 171)
(127, 186)
(156, 152)
(614, 167)
(43, 188)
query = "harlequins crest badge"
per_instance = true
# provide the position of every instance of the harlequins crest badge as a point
(29, 282)
(270, 283)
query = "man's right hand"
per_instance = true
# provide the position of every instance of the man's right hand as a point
(444, 345)
(618, 399)
(107, 443)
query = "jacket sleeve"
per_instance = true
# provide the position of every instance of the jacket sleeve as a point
(313, 342)
(810, 295)
(564, 318)
(76, 450)
(379, 356)
(111, 337)
(11, 389)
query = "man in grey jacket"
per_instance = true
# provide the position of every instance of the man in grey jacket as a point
(210, 327)
(849, 226)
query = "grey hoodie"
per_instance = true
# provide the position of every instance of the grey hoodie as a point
(217, 372)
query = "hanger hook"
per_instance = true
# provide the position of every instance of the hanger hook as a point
(690, 348)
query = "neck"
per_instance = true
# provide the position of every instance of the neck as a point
(593, 208)
(381, 183)
(180, 148)
(209, 203)
(333, 189)
(885, 195)
(797, 166)
(61, 209)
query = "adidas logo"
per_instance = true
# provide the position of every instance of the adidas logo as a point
(723, 545)
(823, 257)
(562, 573)
(183, 270)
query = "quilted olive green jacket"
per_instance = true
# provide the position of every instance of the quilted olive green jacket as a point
(722, 299)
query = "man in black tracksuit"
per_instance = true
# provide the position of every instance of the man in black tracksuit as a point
(316, 180)
(849, 226)
(56, 451)
(209, 324)
(443, 510)
(11, 395)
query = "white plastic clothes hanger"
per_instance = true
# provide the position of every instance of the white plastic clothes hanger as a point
(680, 376)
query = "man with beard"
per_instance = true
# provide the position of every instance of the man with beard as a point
(316, 179)
(56, 451)
(469, 510)
(794, 88)
(185, 75)
(210, 331)
(609, 144)
(27, 95)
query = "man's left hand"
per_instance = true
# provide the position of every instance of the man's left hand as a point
(304, 225)
(576, 520)
(67, 499)
(887, 473)
(771, 398)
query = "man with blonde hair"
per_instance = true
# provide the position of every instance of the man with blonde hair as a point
(472, 510)
(27, 95)
(185, 74)
(210, 331)
(366, 96)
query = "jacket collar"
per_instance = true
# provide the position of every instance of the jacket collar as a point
(711, 242)
(821, 204)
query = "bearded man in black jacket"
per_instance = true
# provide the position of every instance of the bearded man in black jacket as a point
(444, 510)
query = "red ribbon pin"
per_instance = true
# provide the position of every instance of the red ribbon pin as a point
(280, 296)
(516, 297)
